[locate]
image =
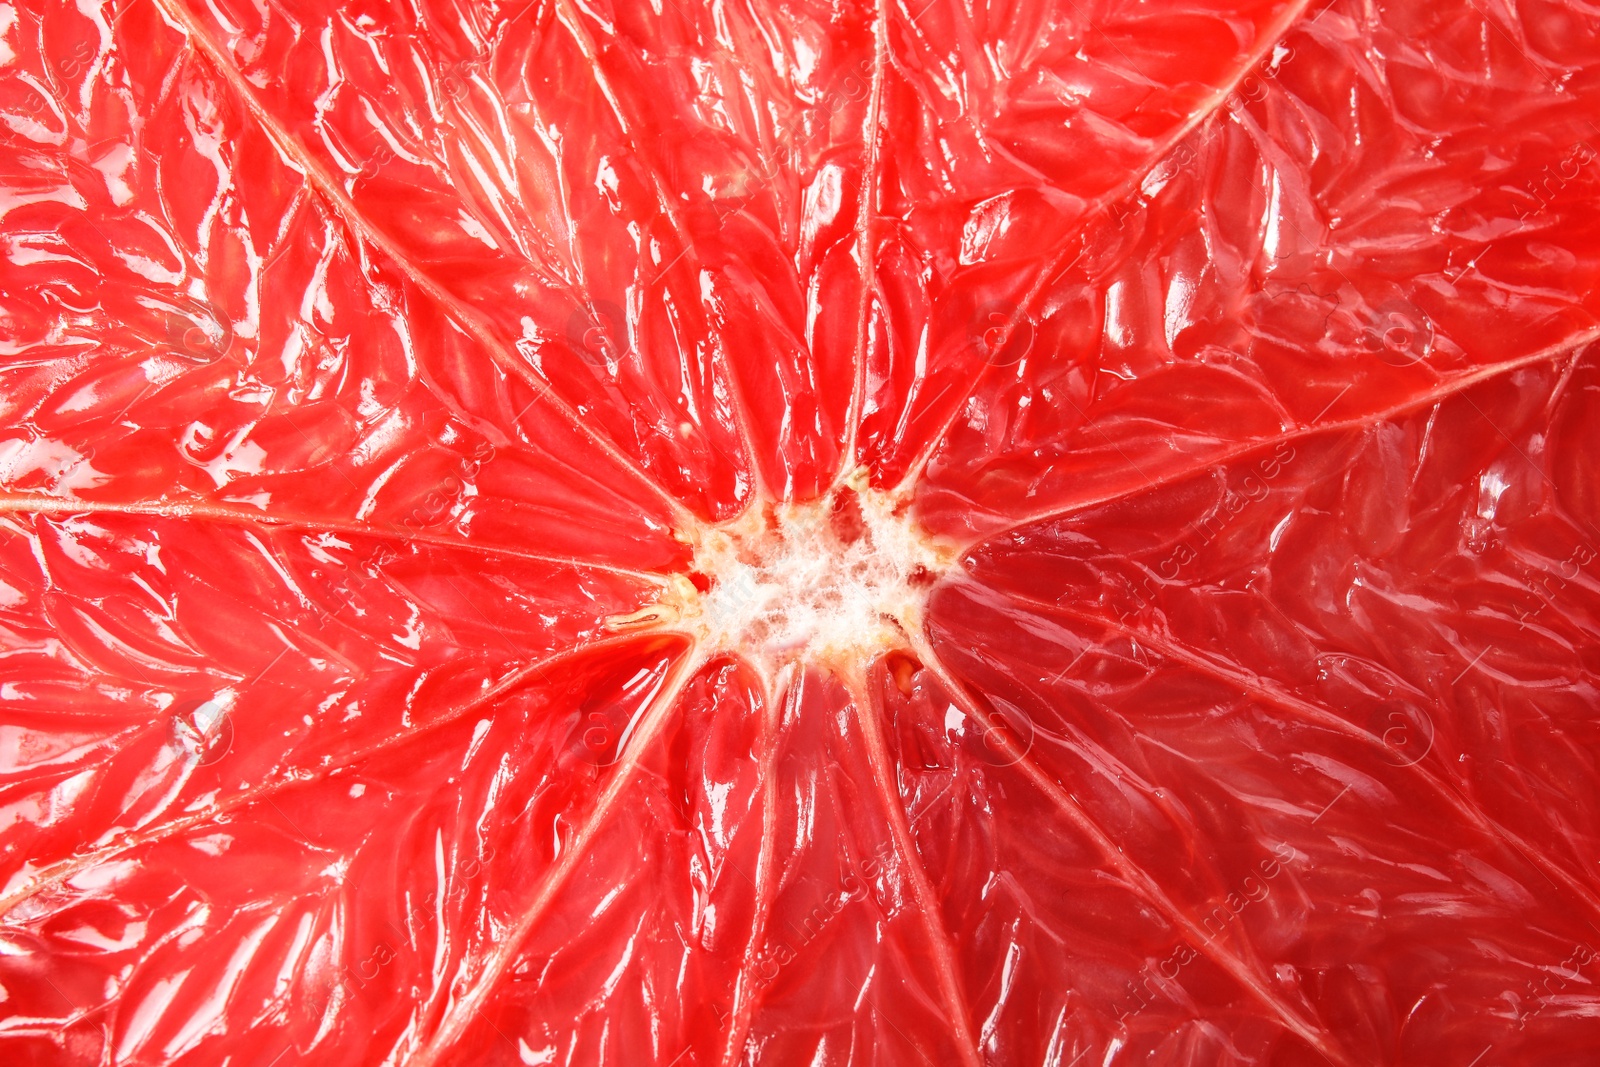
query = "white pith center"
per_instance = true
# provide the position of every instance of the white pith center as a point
(811, 581)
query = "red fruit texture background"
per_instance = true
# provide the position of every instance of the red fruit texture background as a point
(845, 533)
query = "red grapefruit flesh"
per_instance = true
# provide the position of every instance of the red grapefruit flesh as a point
(680, 533)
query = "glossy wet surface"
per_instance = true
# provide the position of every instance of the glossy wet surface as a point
(807, 533)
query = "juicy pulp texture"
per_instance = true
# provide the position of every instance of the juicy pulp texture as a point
(1053, 532)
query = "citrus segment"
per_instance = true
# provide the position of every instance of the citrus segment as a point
(1322, 253)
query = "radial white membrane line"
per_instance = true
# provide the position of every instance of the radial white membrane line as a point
(1137, 777)
(53, 875)
(741, 412)
(745, 998)
(866, 253)
(1316, 715)
(1450, 388)
(267, 790)
(1136, 878)
(946, 967)
(459, 1013)
(1271, 36)
(38, 504)
(464, 316)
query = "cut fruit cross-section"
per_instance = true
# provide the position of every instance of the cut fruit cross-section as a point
(854, 533)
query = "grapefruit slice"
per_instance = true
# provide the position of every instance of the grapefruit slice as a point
(560, 533)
